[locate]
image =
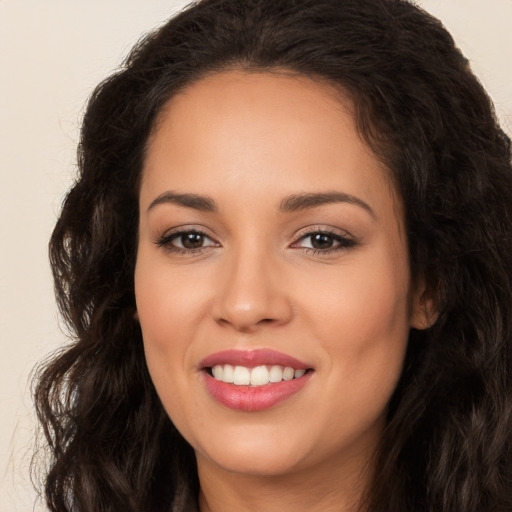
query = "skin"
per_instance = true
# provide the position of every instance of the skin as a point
(249, 141)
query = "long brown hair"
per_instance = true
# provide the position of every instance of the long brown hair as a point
(448, 444)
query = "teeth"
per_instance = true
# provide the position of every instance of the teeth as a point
(241, 376)
(276, 374)
(218, 372)
(288, 373)
(227, 374)
(257, 376)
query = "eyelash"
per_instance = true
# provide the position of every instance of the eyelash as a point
(343, 242)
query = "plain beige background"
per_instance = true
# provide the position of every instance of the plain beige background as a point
(52, 54)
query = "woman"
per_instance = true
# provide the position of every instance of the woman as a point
(287, 262)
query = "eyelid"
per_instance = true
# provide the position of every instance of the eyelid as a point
(186, 228)
(322, 228)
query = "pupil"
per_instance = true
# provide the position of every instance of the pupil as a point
(321, 241)
(192, 240)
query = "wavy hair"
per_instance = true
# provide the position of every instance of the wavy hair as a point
(447, 445)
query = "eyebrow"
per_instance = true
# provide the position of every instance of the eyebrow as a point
(312, 200)
(195, 201)
(293, 203)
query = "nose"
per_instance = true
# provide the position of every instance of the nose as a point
(251, 293)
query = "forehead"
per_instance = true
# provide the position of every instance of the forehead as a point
(235, 130)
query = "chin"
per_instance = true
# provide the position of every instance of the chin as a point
(261, 464)
(260, 456)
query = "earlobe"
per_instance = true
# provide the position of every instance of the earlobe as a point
(424, 311)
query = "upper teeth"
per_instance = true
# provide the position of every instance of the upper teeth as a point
(257, 376)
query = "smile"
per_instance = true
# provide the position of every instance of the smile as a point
(253, 380)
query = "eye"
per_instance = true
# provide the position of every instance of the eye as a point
(190, 240)
(322, 242)
(186, 241)
(319, 241)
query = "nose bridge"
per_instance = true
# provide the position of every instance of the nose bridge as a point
(251, 291)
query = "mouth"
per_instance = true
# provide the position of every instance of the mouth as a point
(253, 380)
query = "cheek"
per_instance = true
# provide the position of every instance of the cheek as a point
(169, 302)
(168, 307)
(363, 305)
(362, 322)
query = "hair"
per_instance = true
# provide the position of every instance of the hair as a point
(447, 444)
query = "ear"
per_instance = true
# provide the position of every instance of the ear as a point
(136, 315)
(424, 306)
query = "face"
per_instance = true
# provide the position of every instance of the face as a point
(271, 248)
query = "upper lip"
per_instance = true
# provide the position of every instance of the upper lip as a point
(252, 358)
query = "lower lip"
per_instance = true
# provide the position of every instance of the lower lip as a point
(254, 398)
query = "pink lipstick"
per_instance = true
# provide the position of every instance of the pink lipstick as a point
(253, 380)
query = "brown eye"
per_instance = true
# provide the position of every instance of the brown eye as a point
(184, 241)
(322, 241)
(192, 240)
